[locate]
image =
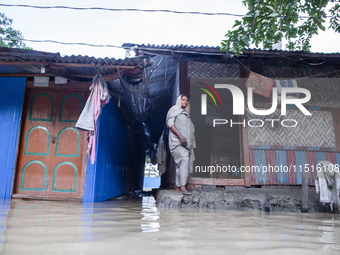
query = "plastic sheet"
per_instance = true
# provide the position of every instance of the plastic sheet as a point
(144, 100)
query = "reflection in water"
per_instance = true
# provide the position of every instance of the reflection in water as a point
(150, 215)
(4, 208)
(330, 235)
(138, 227)
(86, 217)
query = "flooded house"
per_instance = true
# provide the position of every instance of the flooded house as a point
(43, 95)
(44, 155)
(278, 146)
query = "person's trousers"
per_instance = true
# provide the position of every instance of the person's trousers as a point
(182, 159)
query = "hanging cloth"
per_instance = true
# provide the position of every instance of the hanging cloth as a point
(161, 155)
(261, 85)
(327, 183)
(89, 116)
(279, 84)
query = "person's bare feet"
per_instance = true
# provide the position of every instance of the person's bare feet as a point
(185, 191)
(177, 189)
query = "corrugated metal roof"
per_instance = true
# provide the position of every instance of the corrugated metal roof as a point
(167, 46)
(12, 54)
(207, 48)
(20, 61)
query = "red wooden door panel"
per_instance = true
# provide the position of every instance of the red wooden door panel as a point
(51, 148)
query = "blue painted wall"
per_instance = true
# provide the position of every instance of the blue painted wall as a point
(106, 178)
(12, 90)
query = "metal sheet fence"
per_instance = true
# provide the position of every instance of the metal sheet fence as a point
(284, 167)
(106, 178)
(11, 102)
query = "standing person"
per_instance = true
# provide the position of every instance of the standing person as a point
(181, 142)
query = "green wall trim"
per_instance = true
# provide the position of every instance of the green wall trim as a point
(58, 140)
(24, 172)
(55, 175)
(31, 108)
(62, 107)
(38, 153)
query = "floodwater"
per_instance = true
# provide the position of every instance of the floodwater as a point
(138, 227)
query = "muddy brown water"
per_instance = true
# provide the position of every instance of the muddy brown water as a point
(138, 227)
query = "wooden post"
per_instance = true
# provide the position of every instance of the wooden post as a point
(305, 175)
(184, 85)
(244, 133)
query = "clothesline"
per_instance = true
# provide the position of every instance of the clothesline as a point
(300, 78)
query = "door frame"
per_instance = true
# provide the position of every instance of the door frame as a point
(73, 87)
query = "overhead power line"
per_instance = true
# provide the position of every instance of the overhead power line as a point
(119, 10)
(141, 10)
(65, 43)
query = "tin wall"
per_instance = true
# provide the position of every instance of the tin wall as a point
(284, 167)
(11, 101)
(106, 178)
(294, 148)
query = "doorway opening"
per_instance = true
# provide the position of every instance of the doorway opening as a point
(218, 150)
(152, 180)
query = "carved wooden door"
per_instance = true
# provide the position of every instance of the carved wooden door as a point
(51, 150)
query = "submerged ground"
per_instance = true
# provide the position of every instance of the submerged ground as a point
(137, 226)
(282, 199)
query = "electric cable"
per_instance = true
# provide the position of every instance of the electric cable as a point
(120, 10)
(65, 43)
(144, 10)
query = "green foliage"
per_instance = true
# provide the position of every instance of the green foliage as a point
(147, 160)
(269, 21)
(8, 36)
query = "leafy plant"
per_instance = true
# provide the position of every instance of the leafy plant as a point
(269, 21)
(10, 37)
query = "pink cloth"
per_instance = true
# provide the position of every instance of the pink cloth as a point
(261, 85)
(89, 117)
(97, 111)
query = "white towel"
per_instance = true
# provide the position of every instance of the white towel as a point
(327, 183)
